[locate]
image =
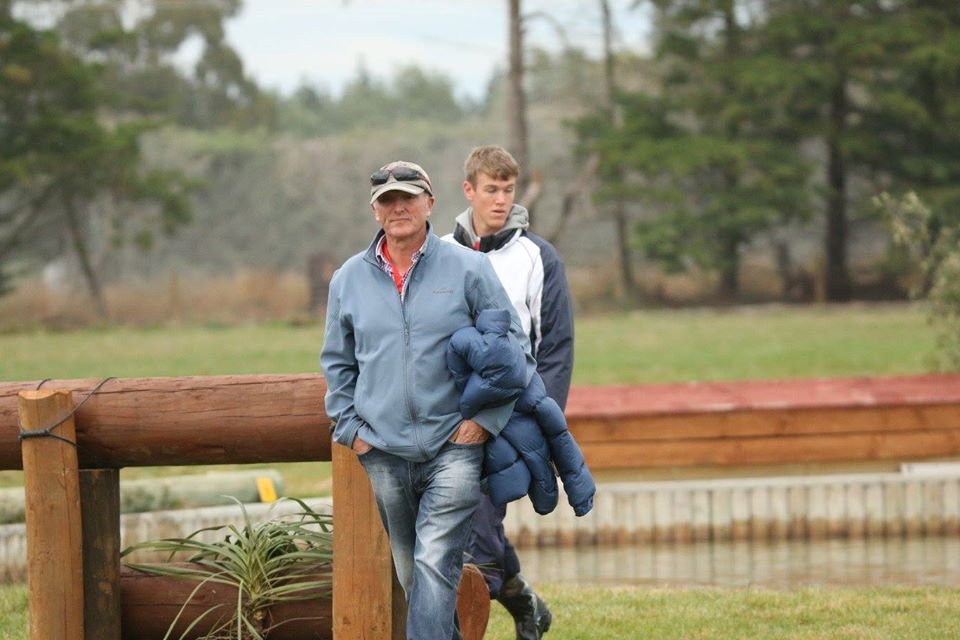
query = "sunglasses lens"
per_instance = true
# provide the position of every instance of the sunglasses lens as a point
(404, 173)
(401, 174)
(379, 176)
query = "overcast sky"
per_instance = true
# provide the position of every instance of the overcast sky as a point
(284, 42)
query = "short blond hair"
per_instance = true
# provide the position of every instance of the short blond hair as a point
(491, 159)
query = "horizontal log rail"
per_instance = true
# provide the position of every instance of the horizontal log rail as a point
(239, 419)
(151, 603)
(136, 422)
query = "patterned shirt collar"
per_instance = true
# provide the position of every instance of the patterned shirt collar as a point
(387, 266)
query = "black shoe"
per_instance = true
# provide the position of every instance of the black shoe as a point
(530, 613)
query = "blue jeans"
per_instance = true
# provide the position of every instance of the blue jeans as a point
(426, 508)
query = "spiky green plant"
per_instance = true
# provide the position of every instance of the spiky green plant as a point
(283, 559)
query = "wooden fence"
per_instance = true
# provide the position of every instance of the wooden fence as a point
(174, 421)
(246, 419)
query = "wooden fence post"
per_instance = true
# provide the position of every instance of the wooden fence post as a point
(54, 543)
(100, 507)
(368, 603)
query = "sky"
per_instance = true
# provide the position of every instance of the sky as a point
(284, 43)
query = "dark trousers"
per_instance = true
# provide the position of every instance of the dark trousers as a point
(489, 548)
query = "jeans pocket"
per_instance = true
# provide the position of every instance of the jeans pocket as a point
(465, 445)
(366, 454)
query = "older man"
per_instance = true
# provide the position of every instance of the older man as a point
(390, 314)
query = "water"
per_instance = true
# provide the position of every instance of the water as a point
(875, 561)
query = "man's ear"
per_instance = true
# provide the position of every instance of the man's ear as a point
(468, 190)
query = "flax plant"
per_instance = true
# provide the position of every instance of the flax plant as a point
(283, 559)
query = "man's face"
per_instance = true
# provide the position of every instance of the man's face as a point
(492, 200)
(402, 215)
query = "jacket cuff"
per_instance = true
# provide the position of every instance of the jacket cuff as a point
(495, 419)
(347, 433)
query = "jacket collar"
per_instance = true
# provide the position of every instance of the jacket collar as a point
(517, 222)
(370, 255)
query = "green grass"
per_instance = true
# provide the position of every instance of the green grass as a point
(636, 347)
(128, 352)
(13, 612)
(626, 613)
(642, 346)
(752, 343)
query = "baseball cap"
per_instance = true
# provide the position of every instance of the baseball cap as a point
(399, 175)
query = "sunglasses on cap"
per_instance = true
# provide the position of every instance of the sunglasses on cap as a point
(400, 174)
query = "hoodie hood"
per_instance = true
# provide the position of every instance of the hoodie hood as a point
(517, 222)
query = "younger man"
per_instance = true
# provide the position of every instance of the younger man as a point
(531, 271)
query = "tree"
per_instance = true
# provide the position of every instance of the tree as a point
(60, 162)
(737, 163)
(709, 156)
(876, 82)
(519, 134)
(135, 43)
(911, 124)
(615, 174)
(412, 94)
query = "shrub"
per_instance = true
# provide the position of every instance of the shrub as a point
(934, 242)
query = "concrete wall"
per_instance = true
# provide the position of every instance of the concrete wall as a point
(774, 508)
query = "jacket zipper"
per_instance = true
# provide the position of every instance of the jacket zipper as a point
(407, 373)
(407, 378)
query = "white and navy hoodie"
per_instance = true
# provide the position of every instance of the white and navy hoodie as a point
(533, 275)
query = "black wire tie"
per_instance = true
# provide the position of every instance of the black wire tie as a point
(47, 432)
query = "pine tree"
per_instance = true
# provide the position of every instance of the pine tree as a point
(875, 81)
(59, 161)
(710, 156)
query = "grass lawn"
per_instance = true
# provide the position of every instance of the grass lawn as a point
(752, 343)
(627, 613)
(635, 347)
(13, 612)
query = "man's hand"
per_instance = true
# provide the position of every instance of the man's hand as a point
(360, 447)
(470, 433)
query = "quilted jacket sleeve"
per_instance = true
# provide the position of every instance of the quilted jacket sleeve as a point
(487, 362)
(564, 452)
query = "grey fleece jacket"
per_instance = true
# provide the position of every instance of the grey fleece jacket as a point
(385, 359)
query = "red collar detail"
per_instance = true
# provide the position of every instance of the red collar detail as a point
(397, 276)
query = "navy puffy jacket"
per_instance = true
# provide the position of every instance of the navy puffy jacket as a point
(487, 364)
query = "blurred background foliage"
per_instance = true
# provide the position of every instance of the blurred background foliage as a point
(735, 162)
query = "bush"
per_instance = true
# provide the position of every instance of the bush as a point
(934, 242)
